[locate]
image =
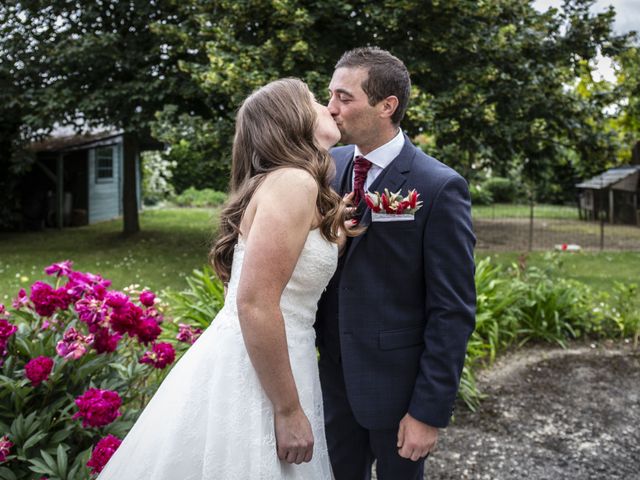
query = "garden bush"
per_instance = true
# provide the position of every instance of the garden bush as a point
(78, 363)
(502, 190)
(519, 304)
(193, 197)
(480, 195)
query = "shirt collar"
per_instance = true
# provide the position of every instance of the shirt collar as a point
(383, 155)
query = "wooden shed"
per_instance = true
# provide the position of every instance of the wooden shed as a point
(77, 179)
(614, 194)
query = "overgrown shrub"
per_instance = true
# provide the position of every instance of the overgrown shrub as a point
(157, 172)
(517, 304)
(206, 197)
(502, 190)
(480, 195)
(78, 362)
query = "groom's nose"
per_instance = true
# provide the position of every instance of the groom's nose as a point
(331, 106)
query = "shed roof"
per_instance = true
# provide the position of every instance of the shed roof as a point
(64, 139)
(609, 178)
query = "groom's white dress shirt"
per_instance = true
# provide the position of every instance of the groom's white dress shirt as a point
(381, 157)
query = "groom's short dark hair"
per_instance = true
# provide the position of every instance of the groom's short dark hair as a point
(387, 76)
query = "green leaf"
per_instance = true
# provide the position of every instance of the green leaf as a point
(51, 463)
(6, 474)
(61, 455)
(31, 441)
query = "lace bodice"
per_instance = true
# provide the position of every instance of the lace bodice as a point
(315, 267)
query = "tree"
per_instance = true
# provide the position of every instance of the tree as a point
(87, 63)
(493, 81)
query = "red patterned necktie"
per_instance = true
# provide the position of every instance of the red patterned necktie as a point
(361, 167)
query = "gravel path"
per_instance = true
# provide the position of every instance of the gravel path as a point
(549, 414)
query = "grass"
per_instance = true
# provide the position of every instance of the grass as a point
(175, 241)
(170, 245)
(597, 269)
(507, 210)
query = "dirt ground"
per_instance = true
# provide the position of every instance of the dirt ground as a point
(550, 414)
(513, 234)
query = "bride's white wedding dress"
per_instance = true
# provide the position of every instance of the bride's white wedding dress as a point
(210, 418)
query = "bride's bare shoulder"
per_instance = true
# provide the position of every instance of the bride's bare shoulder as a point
(289, 181)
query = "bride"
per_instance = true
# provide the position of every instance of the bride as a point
(244, 402)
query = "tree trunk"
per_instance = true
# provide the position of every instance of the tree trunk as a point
(129, 185)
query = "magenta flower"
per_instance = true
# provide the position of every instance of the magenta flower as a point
(80, 284)
(147, 298)
(148, 330)
(161, 355)
(21, 300)
(117, 299)
(5, 446)
(126, 319)
(46, 300)
(102, 452)
(187, 333)
(38, 369)
(3, 310)
(104, 341)
(92, 312)
(98, 408)
(61, 269)
(6, 329)
(73, 344)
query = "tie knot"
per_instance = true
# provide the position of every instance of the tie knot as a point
(361, 165)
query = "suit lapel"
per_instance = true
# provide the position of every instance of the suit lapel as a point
(392, 178)
(342, 181)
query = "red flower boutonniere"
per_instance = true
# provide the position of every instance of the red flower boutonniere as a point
(393, 206)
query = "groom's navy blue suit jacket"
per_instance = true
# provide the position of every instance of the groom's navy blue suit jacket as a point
(399, 311)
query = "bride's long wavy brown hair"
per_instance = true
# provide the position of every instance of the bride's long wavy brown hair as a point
(275, 129)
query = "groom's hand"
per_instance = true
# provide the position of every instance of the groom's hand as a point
(415, 439)
(294, 437)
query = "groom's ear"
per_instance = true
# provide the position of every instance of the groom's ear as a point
(388, 106)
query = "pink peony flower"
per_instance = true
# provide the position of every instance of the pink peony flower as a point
(80, 284)
(98, 408)
(5, 446)
(187, 333)
(46, 300)
(21, 300)
(161, 355)
(6, 329)
(3, 310)
(104, 341)
(102, 452)
(126, 319)
(147, 298)
(38, 369)
(148, 330)
(92, 312)
(73, 344)
(117, 299)
(61, 269)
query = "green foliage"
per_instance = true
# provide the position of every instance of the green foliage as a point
(502, 190)
(200, 303)
(480, 195)
(193, 197)
(522, 304)
(156, 177)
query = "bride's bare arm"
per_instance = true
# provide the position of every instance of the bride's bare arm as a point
(285, 207)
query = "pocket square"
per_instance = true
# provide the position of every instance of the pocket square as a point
(392, 217)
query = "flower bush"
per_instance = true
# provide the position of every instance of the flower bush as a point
(78, 362)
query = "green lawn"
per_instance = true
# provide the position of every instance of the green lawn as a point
(175, 241)
(507, 210)
(597, 269)
(170, 245)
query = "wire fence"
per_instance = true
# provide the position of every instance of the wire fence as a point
(513, 227)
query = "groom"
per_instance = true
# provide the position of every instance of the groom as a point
(394, 321)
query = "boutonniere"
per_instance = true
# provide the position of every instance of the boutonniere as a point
(393, 206)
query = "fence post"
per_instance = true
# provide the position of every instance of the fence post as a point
(531, 221)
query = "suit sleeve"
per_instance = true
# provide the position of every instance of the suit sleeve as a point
(450, 302)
